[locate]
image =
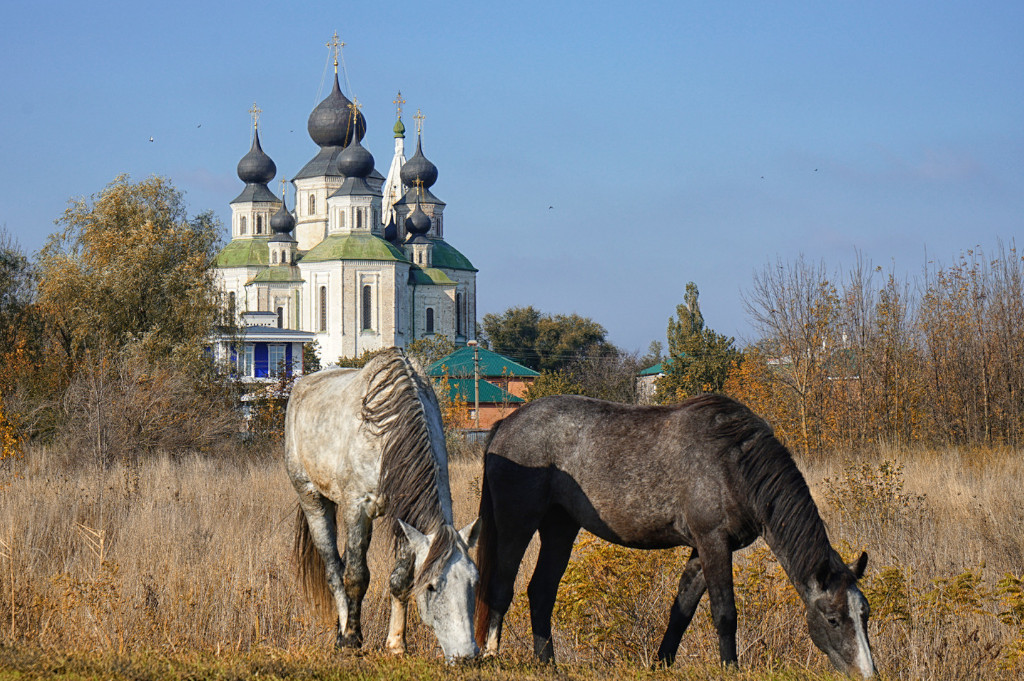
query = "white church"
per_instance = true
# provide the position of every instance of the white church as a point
(360, 263)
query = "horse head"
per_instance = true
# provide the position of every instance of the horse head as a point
(445, 585)
(837, 618)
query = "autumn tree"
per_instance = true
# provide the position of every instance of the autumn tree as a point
(130, 266)
(698, 357)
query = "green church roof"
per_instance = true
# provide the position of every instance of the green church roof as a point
(461, 390)
(425, 276)
(446, 257)
(278, 273)
(353, 247)
(459, 364)
(243, 253)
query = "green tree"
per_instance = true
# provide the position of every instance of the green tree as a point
(545, 342)
(130, 266)
(699, 358)
(311, 357)
(553, 383)
(429, 350)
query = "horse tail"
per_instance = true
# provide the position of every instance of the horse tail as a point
(310, 569)
(486, 556)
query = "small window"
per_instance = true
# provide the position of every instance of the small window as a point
(280, 317)
(276, 357)
(359, 219)
(273, 258)
(458, 313)
(323, 309)
(241, 225)
(367, 303)
(341, 220)
(259, 224)
(430, 320)
(312, 204)
(231, 306)
(248, 361)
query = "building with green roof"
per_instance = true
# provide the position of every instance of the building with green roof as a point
(361, 261)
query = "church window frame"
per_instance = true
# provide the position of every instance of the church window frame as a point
(259, 224)
(458, 313)
(323, 309)
(312, 205)
(280, 316)
(242, 228)
(359, 218)
(273, 258)
(366, 316)
(248, 361)
(430, 320)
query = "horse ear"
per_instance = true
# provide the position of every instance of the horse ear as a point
(470, 533)
(861, 564)
(419, 542)
(823, 574)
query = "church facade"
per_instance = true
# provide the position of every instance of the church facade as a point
(361, 260)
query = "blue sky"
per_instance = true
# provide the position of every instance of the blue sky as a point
(594, 156)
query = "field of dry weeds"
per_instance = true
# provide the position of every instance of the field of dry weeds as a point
(180, 568)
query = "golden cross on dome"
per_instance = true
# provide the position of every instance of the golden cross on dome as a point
(419, 121)
(255, 112)
(336, 45)
(354, 107)
(398, 102)
(284, 188)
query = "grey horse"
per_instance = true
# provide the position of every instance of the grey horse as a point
(706, 473)
(366, 443)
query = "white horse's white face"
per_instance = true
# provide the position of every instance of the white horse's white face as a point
(446, 603)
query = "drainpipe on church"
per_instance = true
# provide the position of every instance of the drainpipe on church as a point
(476, 382)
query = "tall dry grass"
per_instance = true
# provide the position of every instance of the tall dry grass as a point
(191, 555)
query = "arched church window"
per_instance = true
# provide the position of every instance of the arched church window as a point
(341, 220)
(323, 309)
(231, 307)
(367, 303)
(359, 218)
(259, 224)
(241, 225)
(458, 313)
(312, 204)
(280, 317)
(430, 320)
(273, 258)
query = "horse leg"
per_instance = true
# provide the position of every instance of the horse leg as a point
(691, 587)
(359, 526)
(716, 561)
(557, 533)
(401, 587)
(321, 516)
(509, 550)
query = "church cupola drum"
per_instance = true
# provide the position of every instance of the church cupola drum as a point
(360, 262)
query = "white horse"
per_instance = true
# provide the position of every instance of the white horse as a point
(369, 442)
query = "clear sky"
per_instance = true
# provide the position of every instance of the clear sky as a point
(594, 156)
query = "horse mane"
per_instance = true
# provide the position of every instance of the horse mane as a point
(409, 477)
(778, 493)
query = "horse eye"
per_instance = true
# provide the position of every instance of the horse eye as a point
(431, 587)
(833, 620)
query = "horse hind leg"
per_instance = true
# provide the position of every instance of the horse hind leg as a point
(321, 522)
(557, 533)
(691, 587)
(359, 528)
(716, 564)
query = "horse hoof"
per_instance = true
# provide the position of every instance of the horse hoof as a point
(349, 642)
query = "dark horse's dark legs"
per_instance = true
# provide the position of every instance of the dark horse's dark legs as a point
(557, 533)
(691, 587)
(716, 564)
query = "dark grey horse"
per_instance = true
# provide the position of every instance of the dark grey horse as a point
(706, 473)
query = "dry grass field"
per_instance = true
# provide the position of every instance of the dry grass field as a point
(181, 569)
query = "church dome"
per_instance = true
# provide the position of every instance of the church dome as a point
(331, 122)
(417, 223)
(418, 170)
(282, 221)
(399, 128)
(256, 167)
(355, 160)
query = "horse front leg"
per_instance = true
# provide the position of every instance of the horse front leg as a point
(320, 513)
(557, 533)
(359, 526)
(716, 564)
(691, 587)
(401, 587)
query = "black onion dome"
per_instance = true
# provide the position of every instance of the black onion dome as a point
(330, 123)
(282, 221)
(355, 160)
(417, 223)
(256, 167)
(419, 169)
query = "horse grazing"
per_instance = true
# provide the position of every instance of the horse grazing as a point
(366, 443)
(706, 473)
